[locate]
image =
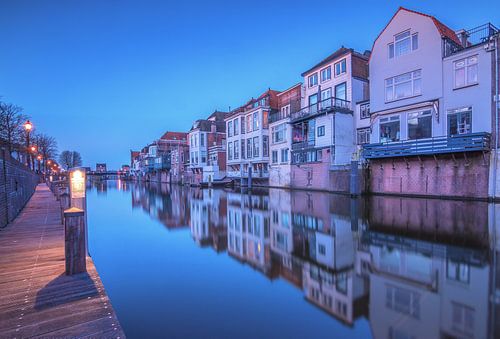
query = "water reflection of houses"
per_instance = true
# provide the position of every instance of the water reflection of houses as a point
(429, 268)
(163, 202)
(208, 223)
(248, 230)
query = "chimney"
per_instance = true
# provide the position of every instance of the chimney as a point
(463, 36)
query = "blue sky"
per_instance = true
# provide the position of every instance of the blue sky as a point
(104, 77)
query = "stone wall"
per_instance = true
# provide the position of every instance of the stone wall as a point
(17, 184)
(459, 177)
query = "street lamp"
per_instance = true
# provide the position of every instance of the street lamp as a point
(39, 158)
(28, 126)
(33, 149)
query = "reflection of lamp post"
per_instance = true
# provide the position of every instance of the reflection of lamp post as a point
(28, 126)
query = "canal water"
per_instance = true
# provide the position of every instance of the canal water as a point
(182, 262)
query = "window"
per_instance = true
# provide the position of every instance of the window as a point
(236, 149)
(249, 123)
(265, 121)
(274, 157)
(230, 129)
(363, 136)
(249, 148)
(242, 148)
(457, 271)
(255, 147)
(230, 151)
(420, 125)
(202, 139)
(465, 71)
(236, 127)
(313, 80)
(285, 112)
(321, 249)
(460, 121)
(364, 111)
(389, 129)
(278, 133)
(203, 157)
(265, 146)
(340, 91)
(325, 95)
(403, 301)
(284, 155)
(242, 120)
(255, 121)
(403, 86)
(340, 67)
(403, 44)
(321, 131)
(326, 74)
(462, 318)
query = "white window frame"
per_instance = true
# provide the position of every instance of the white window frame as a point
(392, 46)
(415, 76)
(312, 80)
(326, 74)
(469, 62)
(342, 67)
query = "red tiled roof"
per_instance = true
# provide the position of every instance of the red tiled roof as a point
(174, 136)
(443, 30)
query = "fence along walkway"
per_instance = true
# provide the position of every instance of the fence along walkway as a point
(36, 297)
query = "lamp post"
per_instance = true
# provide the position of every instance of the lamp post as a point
(39, 158)
(28, 126)
(33, 151)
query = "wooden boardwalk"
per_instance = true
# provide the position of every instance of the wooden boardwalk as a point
(36, 298)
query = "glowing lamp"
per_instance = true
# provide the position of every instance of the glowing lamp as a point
(77, 182)
(28, 126)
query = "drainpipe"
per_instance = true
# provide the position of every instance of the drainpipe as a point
(497, 104)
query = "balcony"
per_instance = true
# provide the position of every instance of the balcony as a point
(302, 145)
(472, 142)
(322, 107)
(471, 38)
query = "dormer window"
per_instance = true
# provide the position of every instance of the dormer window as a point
(313, 80)
(404, 43)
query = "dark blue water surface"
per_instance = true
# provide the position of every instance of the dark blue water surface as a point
(182, 262)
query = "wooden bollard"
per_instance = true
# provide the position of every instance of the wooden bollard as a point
(74, 241)
(64, 201)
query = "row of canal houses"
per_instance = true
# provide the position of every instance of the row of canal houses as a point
(408, 266)
(418, 114)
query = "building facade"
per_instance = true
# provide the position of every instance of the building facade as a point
(323, 130)
(248, 139)
(432, 111)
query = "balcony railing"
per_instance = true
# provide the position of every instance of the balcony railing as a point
(471, 38)
(437, 145)
(324, 106)
(302, 144)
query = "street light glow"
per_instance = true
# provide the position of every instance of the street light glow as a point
(28, 125)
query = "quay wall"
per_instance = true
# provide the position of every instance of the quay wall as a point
(17, 185)
(459, 176)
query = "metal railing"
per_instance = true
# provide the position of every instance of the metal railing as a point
(324, 106)
(471, 38)
(436, 145)
(303, 144)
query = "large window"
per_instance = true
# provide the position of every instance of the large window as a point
(230, 129)
(265, 119)
(403, 86)
(249, 148)
(278, 133)
(326, 74)
(202, 139)
(462, 318)
(242, 119)
(404, 43)
(236, 149)
(243, 148)
(390, 129)
(265, 146)
(420, 125)
(460, 121)
(285, 111)
(325, 95)
(403, 301)
(236, 126)
(313, 80)
(363, 136)
(465, 71)
(255, 147)
(340, 67)
(274, 157)
(249, 123)
(284, 155)
(457, 271)
(230, 150)
(255, 121)
(340, 91)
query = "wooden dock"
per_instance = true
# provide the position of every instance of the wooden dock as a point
(37, 299)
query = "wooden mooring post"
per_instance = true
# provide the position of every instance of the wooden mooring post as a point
(75, 241)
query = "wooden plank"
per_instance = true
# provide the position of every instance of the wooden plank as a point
(36, 298)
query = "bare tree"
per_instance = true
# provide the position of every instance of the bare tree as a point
(69, 159)
(47, 147)
(11, 124)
